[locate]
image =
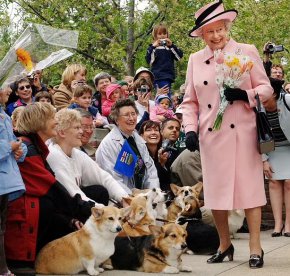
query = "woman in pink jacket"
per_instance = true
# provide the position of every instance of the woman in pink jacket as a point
(232, 166)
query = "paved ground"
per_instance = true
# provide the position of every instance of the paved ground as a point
(277, 260)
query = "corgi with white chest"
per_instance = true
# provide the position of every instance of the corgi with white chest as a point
(157, 253)
(86, 248)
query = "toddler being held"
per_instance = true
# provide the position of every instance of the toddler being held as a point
(162, 109)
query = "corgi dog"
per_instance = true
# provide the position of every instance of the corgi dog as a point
(86, 248)
(178, 205)
(201, 238)
(156, 200)
(235, 219)
(138, 220)
(157, 253)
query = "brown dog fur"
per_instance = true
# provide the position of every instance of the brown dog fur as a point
(138, 219)
(184, 203)
(84, 249)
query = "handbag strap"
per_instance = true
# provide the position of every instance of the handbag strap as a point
(258, 107)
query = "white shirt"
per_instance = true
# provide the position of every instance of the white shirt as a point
(80, 170)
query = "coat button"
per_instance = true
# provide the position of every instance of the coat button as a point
(232, 125)
(209, 129)
(205, 82)
(209, 105)
(207, 62)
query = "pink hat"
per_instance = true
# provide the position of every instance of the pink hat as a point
(111, 88)
(211, 12)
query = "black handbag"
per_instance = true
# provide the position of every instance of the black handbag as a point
(265, 135)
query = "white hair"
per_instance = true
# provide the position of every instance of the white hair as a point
(228, 25)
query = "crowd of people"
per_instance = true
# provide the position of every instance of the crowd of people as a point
(52, 172)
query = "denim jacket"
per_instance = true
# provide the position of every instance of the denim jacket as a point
(11, 182)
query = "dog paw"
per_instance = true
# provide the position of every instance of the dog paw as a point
(189, 252)
(93, 272)
(108, 266)
(100, 269)
(170, 270)
(186, 268)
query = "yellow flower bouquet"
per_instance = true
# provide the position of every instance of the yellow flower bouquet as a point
(230, 70)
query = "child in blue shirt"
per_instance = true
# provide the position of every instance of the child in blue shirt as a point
(161, 55)
(82, 98)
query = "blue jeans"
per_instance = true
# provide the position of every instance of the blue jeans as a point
(162, 83)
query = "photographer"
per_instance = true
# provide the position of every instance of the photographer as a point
(273, 71)
(161, 55)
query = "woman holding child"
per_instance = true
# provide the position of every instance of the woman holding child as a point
(232, 166)
(71, 76)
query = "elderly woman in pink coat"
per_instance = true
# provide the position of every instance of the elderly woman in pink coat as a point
(232, 166)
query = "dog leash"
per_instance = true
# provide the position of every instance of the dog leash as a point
(118, 205)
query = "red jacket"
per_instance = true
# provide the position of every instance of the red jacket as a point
(23, 213)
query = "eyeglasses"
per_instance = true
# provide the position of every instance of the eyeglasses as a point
(24, 86)
(87, 127)
(128, 115)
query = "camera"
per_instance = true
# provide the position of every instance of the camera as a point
(144, 89)
(167, 146)
(271, 48)
(180, 99)
(31, 76)
(163, 42)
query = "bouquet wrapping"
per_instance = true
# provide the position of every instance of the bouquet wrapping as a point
(230, 71)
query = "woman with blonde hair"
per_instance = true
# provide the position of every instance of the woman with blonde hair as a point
(71, 76)
(46, 211)
(74, 168)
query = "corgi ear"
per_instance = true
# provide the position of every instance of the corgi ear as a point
(155, 230)
(197, 187)
(184, 225)
(126, 201)
(135, 191)
(174, 188)
(97, 212)
(126, 211)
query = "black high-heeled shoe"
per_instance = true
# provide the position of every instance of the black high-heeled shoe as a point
(277, 234)
(219, 256)
(256, 261)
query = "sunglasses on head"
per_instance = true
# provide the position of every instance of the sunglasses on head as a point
(24, 86)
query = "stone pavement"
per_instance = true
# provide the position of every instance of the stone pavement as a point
(276, 258)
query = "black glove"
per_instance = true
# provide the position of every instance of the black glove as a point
(236, 94)
(191, 141)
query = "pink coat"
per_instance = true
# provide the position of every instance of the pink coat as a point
(231, 164)
(158, 110)
(106, 107)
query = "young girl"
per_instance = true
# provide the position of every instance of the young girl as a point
(43, 97)
(82, 98)
(161, 55)
(12, 185)
(162, 109)
(113, 93)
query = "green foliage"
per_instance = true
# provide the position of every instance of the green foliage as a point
(110, 40)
